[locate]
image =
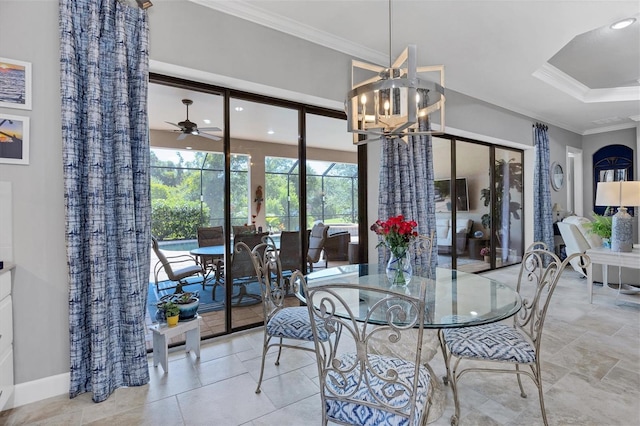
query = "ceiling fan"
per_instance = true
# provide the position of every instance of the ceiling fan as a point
(190, 128)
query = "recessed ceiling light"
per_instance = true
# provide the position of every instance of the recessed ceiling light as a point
(270, 132)
(239, 109)
(207, 121)
(188, 147)
(623, 24)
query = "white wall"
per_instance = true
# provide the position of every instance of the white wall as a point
(204, 43)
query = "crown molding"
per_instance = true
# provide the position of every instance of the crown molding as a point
(569, 85)
(621, 126)
(250, 12)
(238, 84)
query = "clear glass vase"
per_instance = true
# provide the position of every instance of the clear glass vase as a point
(399, 269)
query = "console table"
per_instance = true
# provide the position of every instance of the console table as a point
(475, 245)
(606, 257)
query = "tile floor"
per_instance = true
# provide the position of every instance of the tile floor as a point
(591, 357)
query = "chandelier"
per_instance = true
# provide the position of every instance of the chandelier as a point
(396, 101)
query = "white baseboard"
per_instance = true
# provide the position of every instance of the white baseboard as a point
(36, 390)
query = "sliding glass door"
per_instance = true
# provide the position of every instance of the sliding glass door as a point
(264, 139)
(478, 204)
(248, 164)
(332, 188)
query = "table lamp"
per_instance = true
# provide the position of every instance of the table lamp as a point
(620, 194)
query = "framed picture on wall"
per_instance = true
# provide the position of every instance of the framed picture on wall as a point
(15, 84)
(14, 139)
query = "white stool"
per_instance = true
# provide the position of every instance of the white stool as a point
(162, 333)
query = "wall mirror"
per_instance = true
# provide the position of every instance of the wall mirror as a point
(557, 176)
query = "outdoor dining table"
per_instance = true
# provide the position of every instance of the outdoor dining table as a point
(217, 250)
(453, 299)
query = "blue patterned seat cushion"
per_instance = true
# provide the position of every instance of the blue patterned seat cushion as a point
(358, 414)
(294, 323)
(492, 341)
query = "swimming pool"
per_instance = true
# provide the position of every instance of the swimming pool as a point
(178, 245)
(188, 245)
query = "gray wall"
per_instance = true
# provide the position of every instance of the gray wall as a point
(190, 36)
(29, 32)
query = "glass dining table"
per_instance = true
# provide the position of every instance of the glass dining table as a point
(453, 298)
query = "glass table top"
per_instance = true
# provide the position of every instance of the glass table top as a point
(453, 298)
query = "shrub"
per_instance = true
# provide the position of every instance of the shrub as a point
(177, 220)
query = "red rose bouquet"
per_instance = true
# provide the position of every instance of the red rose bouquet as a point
(396, 234)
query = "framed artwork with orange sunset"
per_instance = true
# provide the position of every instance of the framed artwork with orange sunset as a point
(15, 84)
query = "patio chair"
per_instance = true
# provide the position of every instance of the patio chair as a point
(171, 266)
(336, 247)
(290, 251)
(207, 237)
(242, 271)
(288, 327)
(513, 345)
(243, 229)
(317, 239)
(358, 386)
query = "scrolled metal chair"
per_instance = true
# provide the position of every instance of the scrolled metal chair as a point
(282, 323)
(518, 344)
(357, 385)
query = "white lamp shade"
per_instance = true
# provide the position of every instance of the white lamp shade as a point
(630, 193)
(608, 194)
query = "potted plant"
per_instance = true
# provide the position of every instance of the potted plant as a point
(601, 226)
(486, 253)
(172, 313)
(187, 302)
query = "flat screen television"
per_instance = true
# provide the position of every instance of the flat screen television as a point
(443, 195)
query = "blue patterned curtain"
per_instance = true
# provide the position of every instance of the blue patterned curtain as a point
(104, 78)
(406, 188)
(542, 214)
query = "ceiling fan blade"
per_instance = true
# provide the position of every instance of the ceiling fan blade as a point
(174, 124)
(210, 129)
(182, 136)
(208, 136)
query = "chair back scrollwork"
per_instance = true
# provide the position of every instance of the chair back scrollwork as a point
(356, 382)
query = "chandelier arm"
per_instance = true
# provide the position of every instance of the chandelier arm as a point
(367, 66)
(404, 56)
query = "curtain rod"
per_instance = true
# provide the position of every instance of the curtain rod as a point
(142, 4)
